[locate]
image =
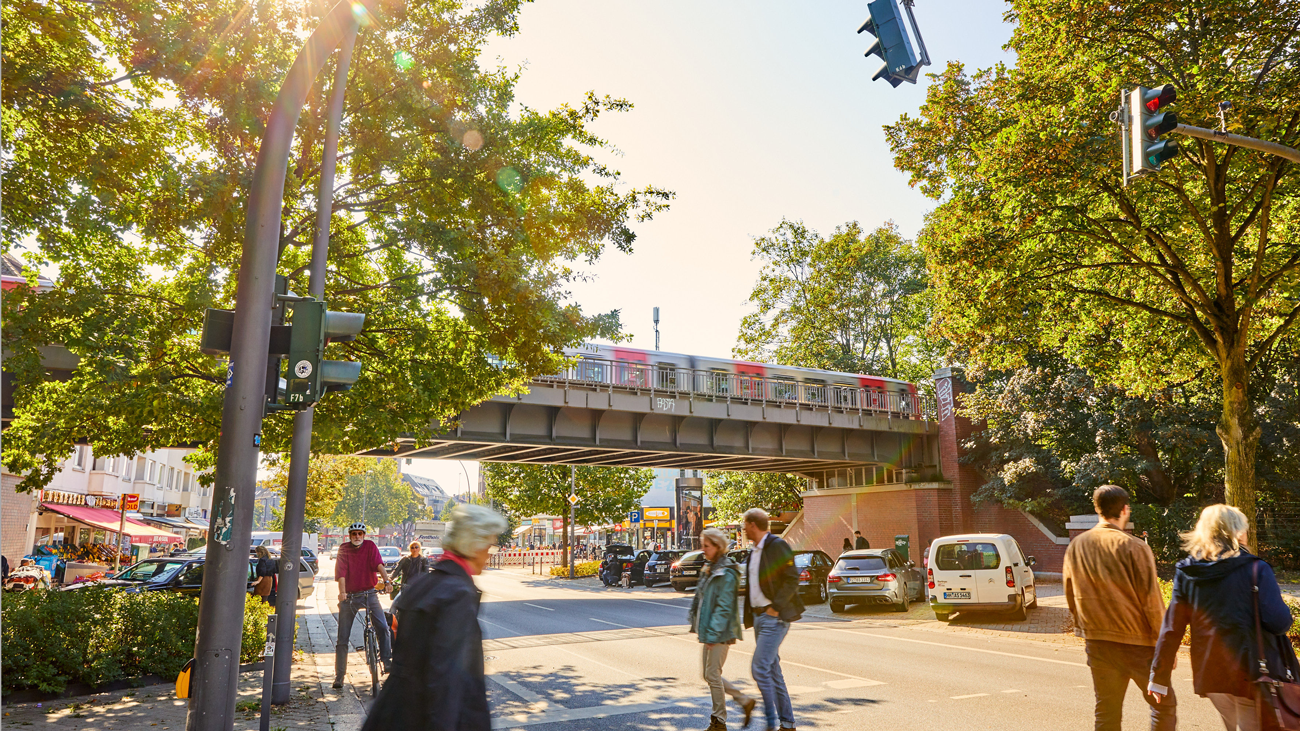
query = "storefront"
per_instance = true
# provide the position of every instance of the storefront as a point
(89, 534)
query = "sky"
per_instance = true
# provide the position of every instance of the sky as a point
(750, 112)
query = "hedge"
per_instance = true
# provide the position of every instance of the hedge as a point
(1167, 589)
(582, 568)
(98, 635)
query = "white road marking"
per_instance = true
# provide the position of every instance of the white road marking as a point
(957, 647)
(1012, 690)
(963, 697)
(538, 606)
(574, 714)
(494, 624)
(661, 604)
(519, 690)
(616, 624)
(850, 683)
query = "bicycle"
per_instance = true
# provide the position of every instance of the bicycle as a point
(369, 640)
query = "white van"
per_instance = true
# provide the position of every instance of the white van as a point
(979, 572)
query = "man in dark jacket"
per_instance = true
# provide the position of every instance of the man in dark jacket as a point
(771, 604)
(860, 542)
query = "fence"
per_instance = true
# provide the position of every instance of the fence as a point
(537, 562)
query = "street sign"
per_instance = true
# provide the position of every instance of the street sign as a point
(573, 499)
(634, 516)
(132, 502)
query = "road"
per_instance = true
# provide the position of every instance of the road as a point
(578, 656)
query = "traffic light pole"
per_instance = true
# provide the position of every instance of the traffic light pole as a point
(1214, 135)
(295, 497)
(221, 611)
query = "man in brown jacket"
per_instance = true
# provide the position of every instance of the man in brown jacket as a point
(1111, 587)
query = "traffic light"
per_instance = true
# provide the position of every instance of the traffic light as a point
(1146, 124)
(312, 327)
(893, 44)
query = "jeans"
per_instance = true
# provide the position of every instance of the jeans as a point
(1113, 665)
(1238, 713)
(769, 632)
(719, 687)
(347, 613)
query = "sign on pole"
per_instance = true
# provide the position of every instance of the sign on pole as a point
(131, 502)
(573, 499)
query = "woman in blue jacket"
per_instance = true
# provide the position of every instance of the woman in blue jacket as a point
(715, 619)
(1214, 590)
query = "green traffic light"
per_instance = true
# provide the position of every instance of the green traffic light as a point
(1161, 151)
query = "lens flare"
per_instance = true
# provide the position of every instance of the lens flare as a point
(361, 14)
(403, 60)
(508, 180)
(472, 140)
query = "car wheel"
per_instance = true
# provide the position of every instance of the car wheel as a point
(1034, 603)
(942, 616)
(680, 588)
(821, 593)
(836, 607)
(649, 584)
(1021, 612)
(904, 604)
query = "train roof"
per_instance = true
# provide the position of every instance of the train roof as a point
(665, 354)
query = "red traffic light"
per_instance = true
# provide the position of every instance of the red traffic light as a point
(1154, 99)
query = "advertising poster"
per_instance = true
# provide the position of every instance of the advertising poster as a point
(690, 512)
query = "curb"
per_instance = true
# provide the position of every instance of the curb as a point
(75, 690)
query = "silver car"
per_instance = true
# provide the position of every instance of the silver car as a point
(874, 576)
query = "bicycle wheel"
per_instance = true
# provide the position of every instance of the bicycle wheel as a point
(372, 657)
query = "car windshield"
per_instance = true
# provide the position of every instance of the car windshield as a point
(693, 556)
(666, 555)
(150, 571)
(390, 552)
(967, 557)
(619, 551)
(802, 559)
(865, 563)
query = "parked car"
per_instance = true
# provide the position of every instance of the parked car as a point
(980, 572)
(874, 576)
(310, 558)
(619, 557)
(741, 557)
(391, 555)
(334, 552)
(685, 572)
(184, 574)
(813, 567)
(656, 569)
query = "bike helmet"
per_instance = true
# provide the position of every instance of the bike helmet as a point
(357, 526)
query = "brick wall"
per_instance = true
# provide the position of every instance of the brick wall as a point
(827, 520)
(1049, 555)
(15, 511)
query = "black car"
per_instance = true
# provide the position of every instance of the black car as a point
(813, 568)
(184, 574)
(619, 556)
(309, 557)
(741, 557)
(656, 569)
(685, 572)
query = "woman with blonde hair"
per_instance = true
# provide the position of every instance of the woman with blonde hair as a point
(266, 572)
(1221, 590)
(715, 619)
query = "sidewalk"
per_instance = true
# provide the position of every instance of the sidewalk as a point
(314, 704)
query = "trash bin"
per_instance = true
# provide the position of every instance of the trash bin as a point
(901, 544)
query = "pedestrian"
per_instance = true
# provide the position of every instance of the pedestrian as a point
(1215, 590)
(266, 572)
(1111, 589)
(358, 563)
(714, 620)
(411, 565)
(848, 545)
(860, 543)
(438, 683)
(771, 604)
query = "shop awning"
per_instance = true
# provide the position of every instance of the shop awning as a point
(169, 522)
(200, 523)
(525, 528)
(109, 520)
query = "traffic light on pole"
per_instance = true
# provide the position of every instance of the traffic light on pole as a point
(893, 44)
(1146, 124)
(309, 374)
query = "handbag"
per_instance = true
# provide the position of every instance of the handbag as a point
(1282, 696)
(263, 586)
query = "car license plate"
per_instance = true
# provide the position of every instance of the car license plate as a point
(688, 573)
(859, 579)
(956, 595)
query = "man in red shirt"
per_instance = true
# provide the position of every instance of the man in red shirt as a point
(358, 563)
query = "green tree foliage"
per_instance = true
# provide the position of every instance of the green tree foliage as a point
(605, 494)
(378, 497)
(852, 302)
(732, 493)
(130, 132)
(447, 508)
(1037, 245)
(327, 478)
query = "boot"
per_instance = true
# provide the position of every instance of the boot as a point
(748, 707)
(716, 725)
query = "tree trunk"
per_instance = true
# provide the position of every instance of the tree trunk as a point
(1240, 435)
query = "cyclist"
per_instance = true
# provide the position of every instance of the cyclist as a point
(358, 562)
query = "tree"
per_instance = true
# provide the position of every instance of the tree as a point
(447, 508)
(852, 302)
(1037, 245)
(605, 494)
(327, 478)
(732, 493)
(378, 497)
(130, 131)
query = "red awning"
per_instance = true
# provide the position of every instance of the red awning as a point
(109, 520)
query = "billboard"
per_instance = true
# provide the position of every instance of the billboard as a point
(690, 512)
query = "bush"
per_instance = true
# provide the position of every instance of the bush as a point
(98, 635)
(582, 568)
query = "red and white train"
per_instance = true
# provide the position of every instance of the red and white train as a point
(633, 368)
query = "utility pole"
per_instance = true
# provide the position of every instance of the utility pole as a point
(221, 611)
(295, 494)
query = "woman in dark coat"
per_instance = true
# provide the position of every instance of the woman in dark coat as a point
(437, 682)
(1214, 590)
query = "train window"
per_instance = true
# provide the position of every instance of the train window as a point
(785, 388)
(591, 371)
(666, 375)
(815, 390)
(719, 381)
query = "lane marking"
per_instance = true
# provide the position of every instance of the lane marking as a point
(1012, 690)
(661, 604)
(964, 697)
(958, 647)
(849, 683)
(494, 624)
(538, 606)
(574, 714)
(616, 624)
(514, 687)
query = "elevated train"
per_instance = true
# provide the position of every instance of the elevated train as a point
(631, 368)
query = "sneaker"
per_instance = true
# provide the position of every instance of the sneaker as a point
(748, 707)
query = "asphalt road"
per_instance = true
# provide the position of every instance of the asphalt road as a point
(565, 656)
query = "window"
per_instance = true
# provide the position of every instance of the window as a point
(864, 563)
(153, 472)
(185, 484)
(141, 468)
(79, 457)
(171, 478)
(967, 557)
